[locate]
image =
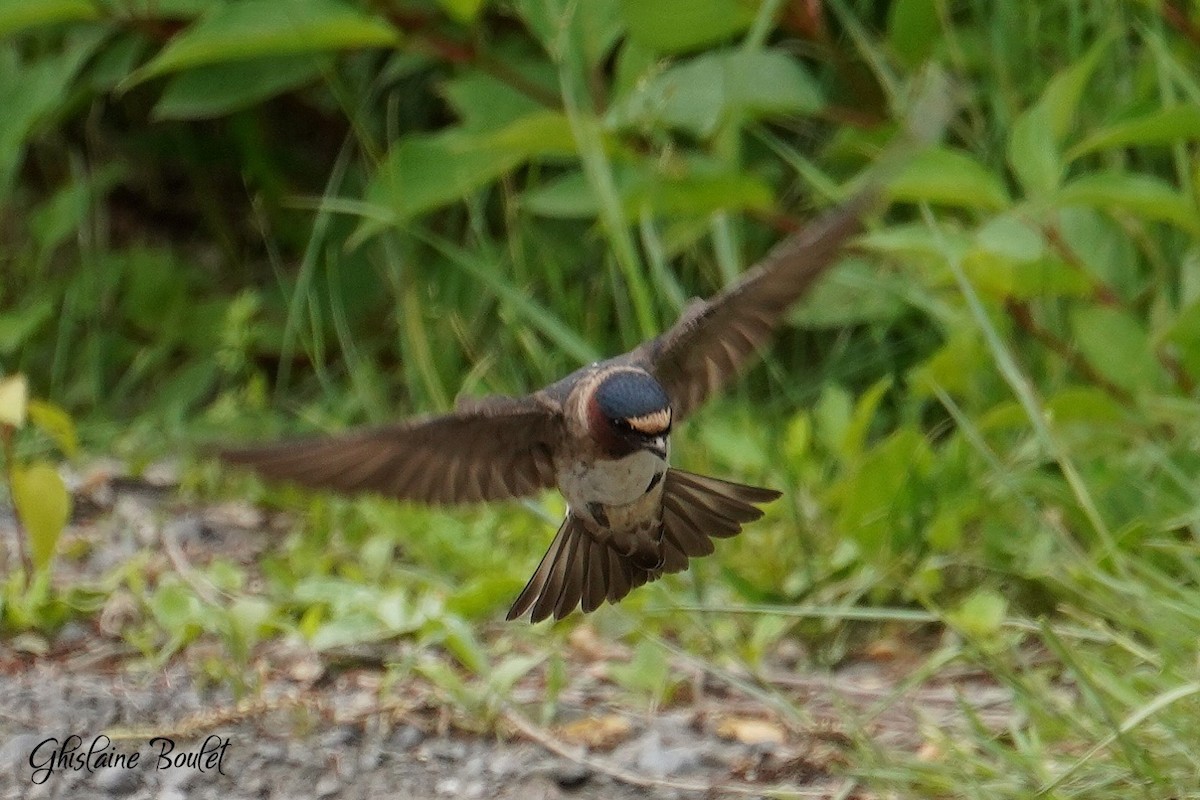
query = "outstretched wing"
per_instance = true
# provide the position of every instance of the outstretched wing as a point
(492, 449)
(714, 339)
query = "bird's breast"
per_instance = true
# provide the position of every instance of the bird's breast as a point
(609, 482)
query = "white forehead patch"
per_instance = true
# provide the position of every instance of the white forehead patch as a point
(652, 424)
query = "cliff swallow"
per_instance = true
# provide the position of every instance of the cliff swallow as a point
(601, 436)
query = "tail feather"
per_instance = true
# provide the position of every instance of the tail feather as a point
(711, 506)
(562, 570)
(574, 573)
(681, 530)
(620, 576)
(596, 578)
(579, 570)
(536, 586)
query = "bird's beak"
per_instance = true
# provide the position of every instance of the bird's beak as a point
(658, 446)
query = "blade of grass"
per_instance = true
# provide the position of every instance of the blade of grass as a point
(302, 292)
(533, 313)
(1026, 395)
(585, 126)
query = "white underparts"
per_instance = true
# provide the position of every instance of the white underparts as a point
(610, 483)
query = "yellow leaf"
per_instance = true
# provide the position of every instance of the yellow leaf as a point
(750, 730)
(596, 733)
(43, 505)
(55, 423)
(14, 397)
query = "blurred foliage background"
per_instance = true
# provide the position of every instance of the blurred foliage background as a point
(230, 220)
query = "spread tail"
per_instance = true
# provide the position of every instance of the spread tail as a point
(580, 570)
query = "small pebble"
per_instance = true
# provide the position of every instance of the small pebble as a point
(571, 776)
(328, 786)
(407, 737)
(118, 781)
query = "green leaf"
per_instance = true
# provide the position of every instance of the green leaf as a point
(226, 576)
(881, 493)
(178, 610)
(479, 597)
(698, 192)
(914, 29)
(503, 677)
(218, 89)
(915, 241)
(1008, 278)
(30, 92)
(59, 218)
(1102, 247)
(648, 672)
(948, 177)
(854, 439)
(14, 400)
(945, 533)
(1013, 237)
(798, 439)
(250, 617)
(423, 172)
(727, 442)
(55, 423)
(598, 26)
(587, 30)
(1165, 126)
(348, 629)
(981, 614)
(1064, 91)
(1085, 404)
(16, 15)
(569, 196)
(701, 95)
(465, 11)
(542, 134)
(120, 56)
(857, 292)
(485, 103)
(460, 641)
(180, 9)
(1116, 345)
(1011, 258)
(952, 368)
(449, 682)
(1143, 195)
(832, 417)
(44, 506)
(1034, 144)
(258, 28)
(18, 327)
(1033, 151)
(186, 389)
(675, 26)
(1184, 333)
(426, 171)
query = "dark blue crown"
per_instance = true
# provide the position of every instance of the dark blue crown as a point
(627, 394)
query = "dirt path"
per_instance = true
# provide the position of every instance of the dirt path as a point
(340, 724)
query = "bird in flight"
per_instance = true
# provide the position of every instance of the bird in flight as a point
(601, 436)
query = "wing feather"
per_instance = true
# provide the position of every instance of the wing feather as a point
(494, 449)
(717, 338)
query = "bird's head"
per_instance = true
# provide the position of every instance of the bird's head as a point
(629, 411)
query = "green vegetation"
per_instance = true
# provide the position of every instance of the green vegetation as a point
(219, 221)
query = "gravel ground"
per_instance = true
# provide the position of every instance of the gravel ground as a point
(340, 726)
(277, 749)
